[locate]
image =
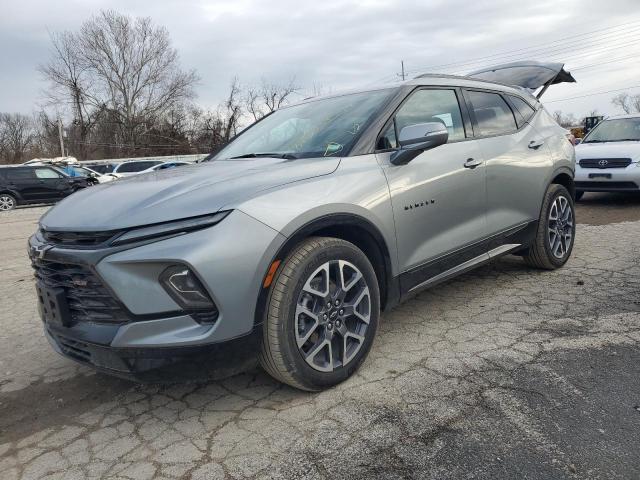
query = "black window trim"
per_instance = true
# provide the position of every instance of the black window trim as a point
(514, 107)
(464, 112)
(504, 95)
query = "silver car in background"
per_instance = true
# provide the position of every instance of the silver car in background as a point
(608, 159)
(287, 244)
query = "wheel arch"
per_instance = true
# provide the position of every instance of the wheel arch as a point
(6, 191)
(564, 176)
(354, 229)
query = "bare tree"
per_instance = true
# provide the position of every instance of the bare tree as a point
(232, 110)
(252, 103)
(120, 71)
(136, 69)
(623, 101)
(268, 97)
(16, 137)
(70, 84)
(565, 120)
(275, 95)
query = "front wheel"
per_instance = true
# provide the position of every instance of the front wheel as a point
(556, 230)
(322, 314)
(7, 202)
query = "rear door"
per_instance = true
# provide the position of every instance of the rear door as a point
(23, 181)
(517, 162)
(439, 205)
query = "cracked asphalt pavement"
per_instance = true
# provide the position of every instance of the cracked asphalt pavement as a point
(505, 372)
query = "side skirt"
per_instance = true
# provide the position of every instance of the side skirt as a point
(467, 258)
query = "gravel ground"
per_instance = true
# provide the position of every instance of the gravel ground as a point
(506, 372)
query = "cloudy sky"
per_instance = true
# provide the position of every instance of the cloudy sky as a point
(340, 44)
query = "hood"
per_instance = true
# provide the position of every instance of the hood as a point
(177, 193)
(526, 74)
(609, 150)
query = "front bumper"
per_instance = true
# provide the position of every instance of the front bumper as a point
(214, 361)
(150, 330)
(625, 179)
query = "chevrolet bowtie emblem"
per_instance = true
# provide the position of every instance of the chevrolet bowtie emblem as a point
(40, 250)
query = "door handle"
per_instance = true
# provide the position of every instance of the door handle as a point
(536, 144)
(471, 163)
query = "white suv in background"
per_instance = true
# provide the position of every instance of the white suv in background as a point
(608, 159)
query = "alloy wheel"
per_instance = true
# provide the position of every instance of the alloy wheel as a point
(560, 227)
(333, 312)
(6, 203)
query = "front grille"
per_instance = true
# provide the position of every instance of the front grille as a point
(87, 298)
(591, 186)
(603, 163)
(77, 239)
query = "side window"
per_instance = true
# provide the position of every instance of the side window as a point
(46, 173)
(493, 114)
(19, 173)
(428, 105)
(523, 112)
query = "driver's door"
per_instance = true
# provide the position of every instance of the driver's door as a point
(439, 204)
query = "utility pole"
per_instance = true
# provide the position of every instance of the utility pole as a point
(402, 75)
(61, 137)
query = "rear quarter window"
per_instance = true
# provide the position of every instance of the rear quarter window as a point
(493, 114)
(19, 173)
(523, 110)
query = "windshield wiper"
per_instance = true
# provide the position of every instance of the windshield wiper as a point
(286, 156)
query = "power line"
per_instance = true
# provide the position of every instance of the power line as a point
(593, 94)
(586, 51)
(548, 50)
(635, 55)
(530, 49)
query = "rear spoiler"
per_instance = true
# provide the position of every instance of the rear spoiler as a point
(527, 74)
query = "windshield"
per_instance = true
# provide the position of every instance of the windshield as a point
(321, 128)
(616, 130)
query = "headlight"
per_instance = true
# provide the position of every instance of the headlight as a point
(169, 228)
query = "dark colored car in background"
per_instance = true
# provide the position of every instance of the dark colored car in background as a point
(102, 168)
(23, 185)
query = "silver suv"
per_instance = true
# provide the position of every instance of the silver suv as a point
(287, 244)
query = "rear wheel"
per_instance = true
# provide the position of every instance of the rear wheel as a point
(7, 202)
(322, 314)
(556, 230)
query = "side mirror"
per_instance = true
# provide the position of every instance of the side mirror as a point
(577, 141)
(415, 139)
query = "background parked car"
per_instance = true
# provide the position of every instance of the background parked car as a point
(101, 168)
(27, 184)
(134, 167)
(607, 159)
(73, 168)
(164, 166)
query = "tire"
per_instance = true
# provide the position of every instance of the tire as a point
(7, 202)
(545, 252)
(579, 194)
(315, 354)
